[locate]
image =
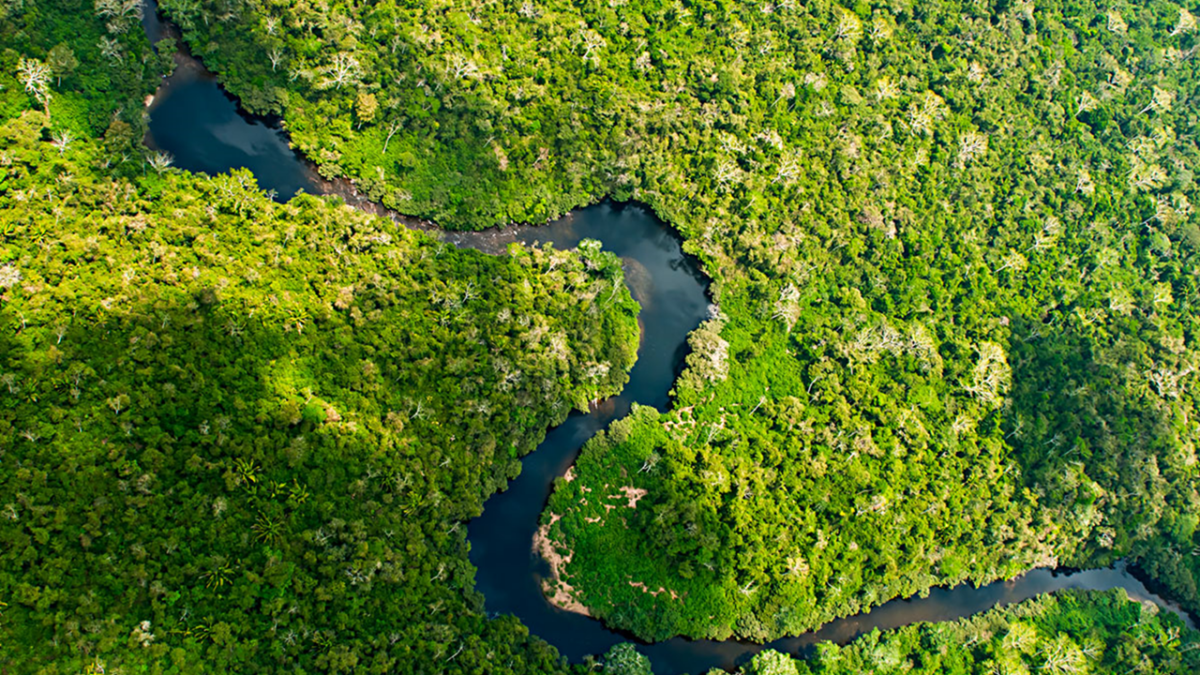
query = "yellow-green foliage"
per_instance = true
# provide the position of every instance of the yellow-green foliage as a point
(98, 64)
(1072, 632)
(240, 435)
(953, 244)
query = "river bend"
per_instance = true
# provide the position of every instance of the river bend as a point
(201, 126)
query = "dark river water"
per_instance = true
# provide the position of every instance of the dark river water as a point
(216, 138)
(192, 118)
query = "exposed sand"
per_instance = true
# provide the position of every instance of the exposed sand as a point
(633, 495)
(556, 589)
(558, 592)
(644, 589)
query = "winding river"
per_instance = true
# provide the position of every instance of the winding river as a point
(192, 118)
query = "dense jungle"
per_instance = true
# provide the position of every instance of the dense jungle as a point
(953, 259)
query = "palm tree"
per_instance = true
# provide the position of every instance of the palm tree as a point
(160, 161)
(120, 12)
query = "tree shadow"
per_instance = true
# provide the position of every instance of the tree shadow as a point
(231, 481)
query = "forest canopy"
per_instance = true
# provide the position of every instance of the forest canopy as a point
(1072, 632)
(240, 434)
(953, 245)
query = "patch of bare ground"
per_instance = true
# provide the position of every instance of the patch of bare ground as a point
(633, 495)
(560, 593)
(557, 590)
(645, 589)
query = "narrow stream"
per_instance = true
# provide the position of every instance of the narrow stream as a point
(192, 118)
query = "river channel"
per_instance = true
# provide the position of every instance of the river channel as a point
(201, 126)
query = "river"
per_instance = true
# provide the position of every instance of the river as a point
(192, 118)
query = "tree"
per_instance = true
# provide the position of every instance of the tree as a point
(971, 146)
(343, 70)
(62, 61)
(160, 161)
(623, 659)
(35, 76)
(1186, 23)
(1162, 99)
(991, 376)
(10, 275)
(365, 107)
(61, 139)
(460, 67)
(709, 360)
(849, 27)
(592, 43)
(120, 13)
(10, 7)
(111, 49)
(771, 662)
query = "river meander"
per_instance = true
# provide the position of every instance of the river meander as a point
(192, 118)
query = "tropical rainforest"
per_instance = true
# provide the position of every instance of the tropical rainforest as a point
(236, 434)
(1086, 632)
(954, 261)
(952, 246)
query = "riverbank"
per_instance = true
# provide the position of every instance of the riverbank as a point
(502, 538)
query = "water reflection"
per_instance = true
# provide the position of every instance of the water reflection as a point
(200, 126)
